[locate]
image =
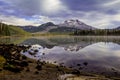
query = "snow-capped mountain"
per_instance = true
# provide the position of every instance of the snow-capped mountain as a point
(76, 24)
(118, 28)
(66, 26)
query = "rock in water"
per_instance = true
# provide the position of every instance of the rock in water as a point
(35, 49)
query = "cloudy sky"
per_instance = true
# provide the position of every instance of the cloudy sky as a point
(97, 13)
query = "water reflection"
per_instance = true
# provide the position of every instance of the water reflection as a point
(90, 54)
(96, 57)
(10, 40)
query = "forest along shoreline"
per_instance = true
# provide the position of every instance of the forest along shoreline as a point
(14, 65)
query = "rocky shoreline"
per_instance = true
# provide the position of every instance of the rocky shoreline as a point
(15, 66)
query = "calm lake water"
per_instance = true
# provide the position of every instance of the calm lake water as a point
(91, 54)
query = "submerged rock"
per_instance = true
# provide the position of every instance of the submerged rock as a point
(85, 63)
(35, 49)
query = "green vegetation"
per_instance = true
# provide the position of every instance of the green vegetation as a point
(16, 30)
(2, 61)
(9, 30)
(50, 34)
(4, 29)
(97, 32)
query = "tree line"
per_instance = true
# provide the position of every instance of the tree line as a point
(97, 32)
(4, 29)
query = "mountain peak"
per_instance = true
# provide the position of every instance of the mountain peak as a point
(48, 24)
(75, 23)
(66, 26)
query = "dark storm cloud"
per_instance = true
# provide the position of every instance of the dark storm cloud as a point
(20, 7)
(92, 5)
(81, 5)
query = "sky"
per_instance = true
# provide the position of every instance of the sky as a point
(97, 13)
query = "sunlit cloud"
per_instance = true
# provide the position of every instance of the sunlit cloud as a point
(52, 6)
(41, 19)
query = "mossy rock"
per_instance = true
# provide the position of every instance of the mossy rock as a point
(2, 62)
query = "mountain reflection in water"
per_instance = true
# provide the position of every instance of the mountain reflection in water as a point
(91, 54)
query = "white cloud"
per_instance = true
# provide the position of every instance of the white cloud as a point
(101, 20)
(36, 20)
(12, 20)
(52, 6)
(41, 19)
(95, 19)
(111, 3)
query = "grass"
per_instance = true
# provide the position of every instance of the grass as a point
(17, 31)
(2, 61)
(49, 34)
(9, 30)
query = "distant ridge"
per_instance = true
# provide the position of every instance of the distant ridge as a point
(41, 28)
(66, 26)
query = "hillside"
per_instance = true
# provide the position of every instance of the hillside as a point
(66, 26)
(9, 30)
(42, 28)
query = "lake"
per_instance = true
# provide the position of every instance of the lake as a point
(92, 54)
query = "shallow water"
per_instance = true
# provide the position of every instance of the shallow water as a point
(90, 54)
